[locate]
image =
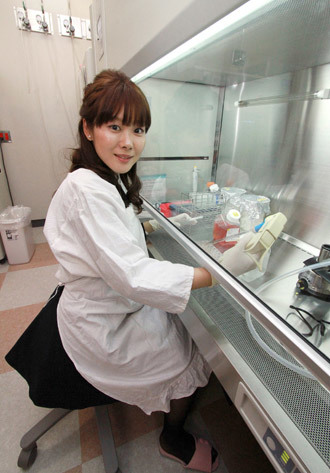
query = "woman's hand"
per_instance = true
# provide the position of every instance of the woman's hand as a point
(178, 220)
(236, 260)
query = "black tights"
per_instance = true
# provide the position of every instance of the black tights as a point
(173, 438)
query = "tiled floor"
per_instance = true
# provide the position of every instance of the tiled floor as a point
(72, 446)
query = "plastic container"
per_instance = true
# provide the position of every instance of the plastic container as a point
(252, 214)
(253, 209)
(263, 201)
(229, 192)
(16, 233)
(224, 227)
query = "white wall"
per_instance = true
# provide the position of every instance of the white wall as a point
(39, 102)
(131, 24)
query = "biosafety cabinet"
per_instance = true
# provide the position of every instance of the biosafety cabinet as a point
(245, 104)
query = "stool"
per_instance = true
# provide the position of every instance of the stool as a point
(39, 356)
(29, 440)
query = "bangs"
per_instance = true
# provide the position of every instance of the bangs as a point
(131, 99)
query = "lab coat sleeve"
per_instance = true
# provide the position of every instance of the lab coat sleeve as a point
(120, 261)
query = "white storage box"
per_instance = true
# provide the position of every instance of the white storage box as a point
(16, 233)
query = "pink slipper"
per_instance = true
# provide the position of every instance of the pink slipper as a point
(201, 459)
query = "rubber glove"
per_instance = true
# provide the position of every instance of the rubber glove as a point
(238, 261)
(250, 250)
(178, 220)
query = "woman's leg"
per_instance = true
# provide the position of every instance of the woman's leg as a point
(173, 438)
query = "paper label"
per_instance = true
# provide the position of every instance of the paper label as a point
(12, 234)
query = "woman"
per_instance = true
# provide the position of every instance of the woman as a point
(116, 314)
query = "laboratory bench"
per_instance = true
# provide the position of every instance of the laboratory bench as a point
(287, 412)
(244, 103)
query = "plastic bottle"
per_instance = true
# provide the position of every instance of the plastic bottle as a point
(195, 179)
(224, 227)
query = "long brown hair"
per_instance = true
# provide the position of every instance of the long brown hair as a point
(103, 99)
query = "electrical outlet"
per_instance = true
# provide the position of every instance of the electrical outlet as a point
(33, 20)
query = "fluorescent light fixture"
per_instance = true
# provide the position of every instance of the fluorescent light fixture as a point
(319, 95)
(203, 38)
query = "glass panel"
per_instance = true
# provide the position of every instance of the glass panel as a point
(249, 109)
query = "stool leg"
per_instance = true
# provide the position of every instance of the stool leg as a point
(107, 443)
(29, 440)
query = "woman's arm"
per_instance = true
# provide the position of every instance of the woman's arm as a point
(202, 278)
(148, 227)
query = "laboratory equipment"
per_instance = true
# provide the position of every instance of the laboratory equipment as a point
(195, 179)
(272, 148)
(317, 281)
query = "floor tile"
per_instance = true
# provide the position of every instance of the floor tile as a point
(95, 465)
(30, 286)
(142, 455)
(4, 267)
(13, 322)
(127, 423)
(77, 469)
(38, 234)
(130, 422)
(2, 278)
(42, 256)
(89, 437)
(58, 449)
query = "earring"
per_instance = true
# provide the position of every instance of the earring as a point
(89, 137)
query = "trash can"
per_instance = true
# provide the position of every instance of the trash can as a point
(16, 233)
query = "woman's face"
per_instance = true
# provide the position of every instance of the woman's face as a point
(118, 146)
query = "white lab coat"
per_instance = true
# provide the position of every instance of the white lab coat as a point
(116, 316)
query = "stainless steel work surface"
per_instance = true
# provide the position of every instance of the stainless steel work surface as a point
(304, 400)
(276, 286)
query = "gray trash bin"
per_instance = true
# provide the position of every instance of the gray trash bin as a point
(16, 233)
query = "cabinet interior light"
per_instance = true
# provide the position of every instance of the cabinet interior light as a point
(203, 38)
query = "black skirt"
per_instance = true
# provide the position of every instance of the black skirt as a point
(40, 358)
